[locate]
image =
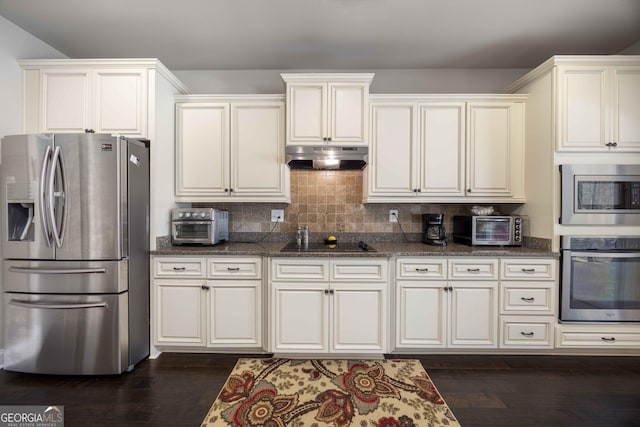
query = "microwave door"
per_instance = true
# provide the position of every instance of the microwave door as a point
(26, 163)
(88, 197)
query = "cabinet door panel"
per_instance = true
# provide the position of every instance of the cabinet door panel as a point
(581, 109)
(121, 102)
(489, 149)
(202, 142)
(308, 110)
(626, 107)
(391, 169)
(442, 148)
(421, 314)
(180, 313)
(300, 317)
(474, 315)
(235, 313)
(65, 101)
(358, 317)
(257, 145)
(347, 121)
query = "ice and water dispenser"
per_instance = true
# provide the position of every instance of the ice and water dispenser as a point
(20, 212)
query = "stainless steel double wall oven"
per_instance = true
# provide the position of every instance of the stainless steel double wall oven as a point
(600, 279)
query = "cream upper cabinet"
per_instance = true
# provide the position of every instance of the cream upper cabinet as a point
(327, 108)
(495, 149)
(445, 149)
(76, 99)
(230, 149)
(598, 108)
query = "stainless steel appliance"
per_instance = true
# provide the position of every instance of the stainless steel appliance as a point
(600, 279)
(600, 194)
(487, 230)
(433, 231)
(199, 226)
(326, 157)
(75, 242)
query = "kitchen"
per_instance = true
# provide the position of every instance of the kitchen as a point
(254, 217)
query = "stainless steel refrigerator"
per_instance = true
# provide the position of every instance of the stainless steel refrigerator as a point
(75, 243)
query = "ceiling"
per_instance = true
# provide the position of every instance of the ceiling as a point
(330, 34)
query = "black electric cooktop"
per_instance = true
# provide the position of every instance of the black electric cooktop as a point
(322, 247)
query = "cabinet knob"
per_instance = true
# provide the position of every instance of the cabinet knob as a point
(468, 190)
(528, 299)
(89, 131)
(179, 268)
(226, 190)
(326, 291)
(473, 270)
(231, 190)
(422, 270)
(608, 339)
(527, 334)
(205, 288)
(528, 270)
(611, 144)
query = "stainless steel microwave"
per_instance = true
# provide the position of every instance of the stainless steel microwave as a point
(199, 226)
(487, 230)
(600, 194)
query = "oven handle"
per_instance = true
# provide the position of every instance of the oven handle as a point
(603, 254)
(192, 222)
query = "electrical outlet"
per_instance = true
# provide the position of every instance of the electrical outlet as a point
(393, 215)
(277, 215)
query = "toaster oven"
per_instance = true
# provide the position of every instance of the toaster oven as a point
(487, 230)
(199, 226)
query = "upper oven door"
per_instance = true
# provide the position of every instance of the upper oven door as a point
(600, 194)
(192, 232)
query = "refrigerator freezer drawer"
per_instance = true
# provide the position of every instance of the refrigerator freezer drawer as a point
(65, 277)
(66, 334)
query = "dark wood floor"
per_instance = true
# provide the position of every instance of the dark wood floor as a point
(178, 389)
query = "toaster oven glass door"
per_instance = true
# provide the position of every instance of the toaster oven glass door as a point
(193, 231)
(494, 230)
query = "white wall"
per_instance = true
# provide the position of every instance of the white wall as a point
(15, 43)
(385, 80)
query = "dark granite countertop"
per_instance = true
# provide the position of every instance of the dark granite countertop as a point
(272, 249)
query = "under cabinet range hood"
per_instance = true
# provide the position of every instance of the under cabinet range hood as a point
(326, 157)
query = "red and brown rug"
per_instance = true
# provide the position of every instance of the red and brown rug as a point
(338, 393)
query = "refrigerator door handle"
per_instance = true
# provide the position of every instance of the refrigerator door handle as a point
(45, 305)
(58, 229)
(27, 270)
(43, 195)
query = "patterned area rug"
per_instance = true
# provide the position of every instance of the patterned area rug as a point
(338, 393)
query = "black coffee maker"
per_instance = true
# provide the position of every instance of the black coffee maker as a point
(433, 232)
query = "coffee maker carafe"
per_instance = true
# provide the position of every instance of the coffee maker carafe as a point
(433, 232)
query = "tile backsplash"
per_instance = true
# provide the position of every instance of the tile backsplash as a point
(331, 202)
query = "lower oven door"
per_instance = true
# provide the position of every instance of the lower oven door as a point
(66, 334)
(600, 286)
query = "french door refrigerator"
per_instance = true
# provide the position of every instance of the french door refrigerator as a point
(75, 269)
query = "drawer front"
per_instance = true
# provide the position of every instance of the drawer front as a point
(369, 270)
(179, 267)
(229, 268)
(527, 331)
(527, 298)
(528, 269)
(290, 269)
(473, 269)
(421, 269)
(597, 339)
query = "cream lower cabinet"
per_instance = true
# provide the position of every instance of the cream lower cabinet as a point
(230, 149)
(446, 303)
(329, 305)
(528, 302)
(207, 303)
(445, 149)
